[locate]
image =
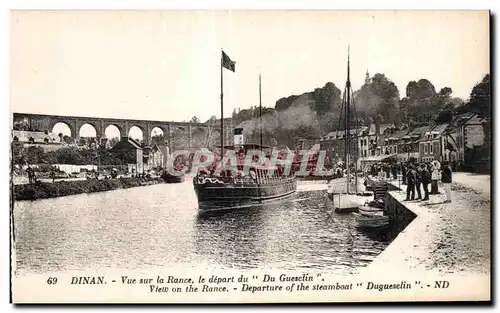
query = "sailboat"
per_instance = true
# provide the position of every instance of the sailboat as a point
(226, 189)
(344, 194)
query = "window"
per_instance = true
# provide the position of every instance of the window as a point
(430, 148)
(425, 149)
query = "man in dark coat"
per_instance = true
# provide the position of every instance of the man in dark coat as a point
(418, 182)
(404, 171)
(410, 184)
(446, 180)
(425, 178)
(394, 171)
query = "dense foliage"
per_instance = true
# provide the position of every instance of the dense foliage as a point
(29, 154)
(316, 113)
(41, 190)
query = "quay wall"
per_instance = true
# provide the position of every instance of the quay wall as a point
(41, 190)
(399, 214)
(411, 223)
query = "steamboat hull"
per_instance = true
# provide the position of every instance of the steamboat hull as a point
(229, 196)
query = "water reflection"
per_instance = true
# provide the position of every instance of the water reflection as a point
(158, 226)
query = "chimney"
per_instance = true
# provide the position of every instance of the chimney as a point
(238, 137)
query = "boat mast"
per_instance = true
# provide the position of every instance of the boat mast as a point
(260, 112)
(347, 120)
(221, 106)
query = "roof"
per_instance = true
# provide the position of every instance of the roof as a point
(475, 120)
(462, 118)
(339, 134)
(399, 134)
(126, 142)
(134, 143)
(315, 148)
(439, 129)
(373, 127)
(419, 130)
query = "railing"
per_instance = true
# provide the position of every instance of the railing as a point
(240, 180)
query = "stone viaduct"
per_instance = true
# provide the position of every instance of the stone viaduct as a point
(41, 122)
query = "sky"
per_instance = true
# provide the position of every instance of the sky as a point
(165, 65)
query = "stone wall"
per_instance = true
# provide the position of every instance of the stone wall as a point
(399, 215)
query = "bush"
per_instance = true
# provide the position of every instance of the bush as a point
(41, 190)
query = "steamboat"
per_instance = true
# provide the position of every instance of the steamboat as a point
(245, 184)
(238, 187)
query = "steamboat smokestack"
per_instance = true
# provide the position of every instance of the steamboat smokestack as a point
(238, 137)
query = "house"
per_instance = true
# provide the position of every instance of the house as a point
(130, 151)
(470, 134)
(153, 157)
(387, 143)
(334, 145)
(408, 144)
(432, 144)
(34, 137)
(369, 139)
(454, 136)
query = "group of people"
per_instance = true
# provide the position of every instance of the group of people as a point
(417, 176)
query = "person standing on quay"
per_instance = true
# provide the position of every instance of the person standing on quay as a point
(418, 181)
(435, 176)
(446, 180)
(404, 171)
(426, 179)
(410, 184)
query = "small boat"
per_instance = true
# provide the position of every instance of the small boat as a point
(372, 221)
(345, 203)
(370, 210)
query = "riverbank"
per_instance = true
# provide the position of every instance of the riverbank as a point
(45, 190)
(444, 238)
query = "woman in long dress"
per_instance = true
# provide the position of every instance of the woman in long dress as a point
(435, 176)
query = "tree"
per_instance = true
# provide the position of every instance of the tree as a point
(194, 119)
(35, 155)
(158, 139)
(17, 153)
(422, 103)
(113, 141)
(445, 116)
(246, 114)
(480, 97)
(284, 103)
(380, 96)
(326, 99)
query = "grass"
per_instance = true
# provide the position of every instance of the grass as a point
(40, 190)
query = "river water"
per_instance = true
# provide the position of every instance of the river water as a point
(157, 226)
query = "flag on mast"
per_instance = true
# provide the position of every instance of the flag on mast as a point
(227, 63)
